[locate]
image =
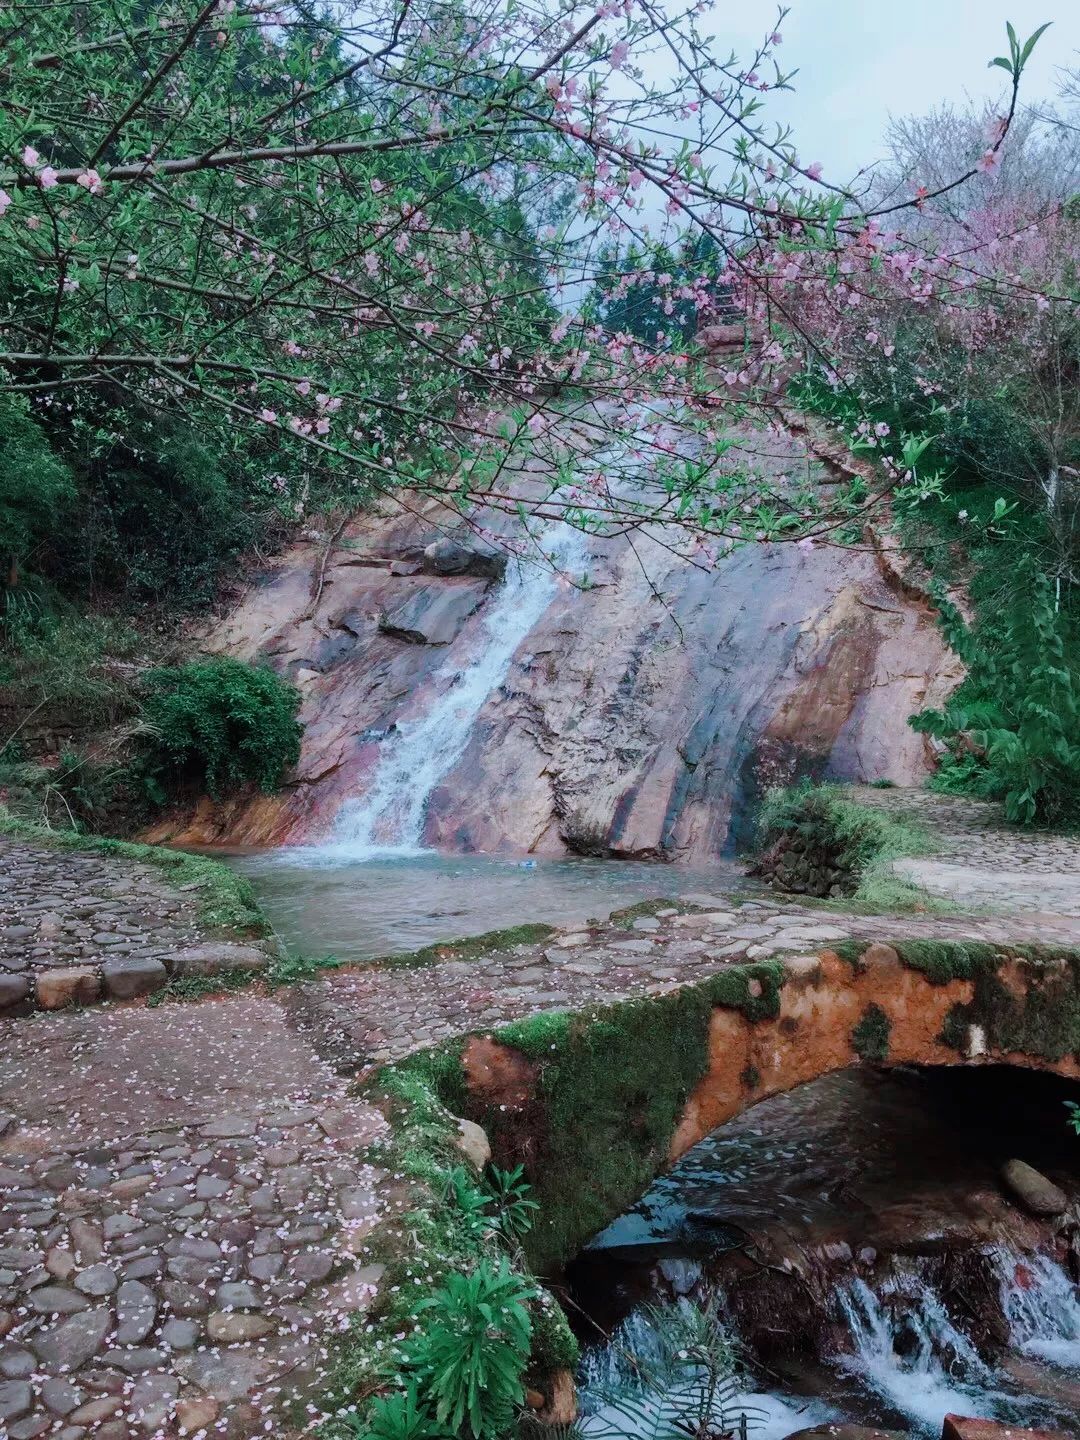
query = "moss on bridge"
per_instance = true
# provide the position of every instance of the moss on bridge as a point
(600, 1093)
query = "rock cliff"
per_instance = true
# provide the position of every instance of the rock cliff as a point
(639, 716)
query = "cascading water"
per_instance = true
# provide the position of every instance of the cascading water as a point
(907, 1357)
(388, 819)
(907, 1350)
(615, 1405)
(1042, 1307)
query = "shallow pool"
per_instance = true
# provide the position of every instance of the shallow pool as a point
(323, 903)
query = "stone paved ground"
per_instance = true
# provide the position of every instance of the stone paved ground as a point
(80, 926)
(187, 1197)
(184, 1206)
(982, 862)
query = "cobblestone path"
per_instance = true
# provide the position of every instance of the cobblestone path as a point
(982, 862)
(78, 926)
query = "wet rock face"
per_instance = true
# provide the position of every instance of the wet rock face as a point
(640, 717)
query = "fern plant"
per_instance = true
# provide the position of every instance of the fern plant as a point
(1019, 708)
(679, 1381)
(471, 1356)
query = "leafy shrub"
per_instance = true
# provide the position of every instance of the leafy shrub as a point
(1014, 724)
(159, 514)
(514, 1210)
(73, 794)
(56, 658)
(220, 723)
(397, 1417)
(471, 1356)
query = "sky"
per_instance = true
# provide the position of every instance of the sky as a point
(862, 60)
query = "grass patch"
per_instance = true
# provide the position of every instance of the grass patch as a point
(283, 970)
(473, 947)
(870, 1037)
(430, 1238)
(198, 987)
(226, 902)
(1043, 1021)
(817, 838)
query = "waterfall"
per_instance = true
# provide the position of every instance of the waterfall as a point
(909, 1352)
(1042, 1306)
(388, 819)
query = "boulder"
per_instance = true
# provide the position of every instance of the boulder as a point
(71, 985)
(215, 957)
(722, 337)
(14, 990)
(128, 976)
(846, 1432)
(1034, 1191)
(473, 1143)
(957, 1427)
(430, 613)
(454, 557)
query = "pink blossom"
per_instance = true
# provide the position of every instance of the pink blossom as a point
(268, 415)
(304, 387)
(90, 180)
(5, 201)
(322, 427)
(814, 171)
(47, 178)
(987, 162)
(30, 156)
(377, 186)
(619, 52)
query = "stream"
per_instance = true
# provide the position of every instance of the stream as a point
(857, 1246)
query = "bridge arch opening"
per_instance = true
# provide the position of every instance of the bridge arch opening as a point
(597, 1105)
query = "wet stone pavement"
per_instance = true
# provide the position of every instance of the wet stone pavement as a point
(381, 1014)
(184, 1215)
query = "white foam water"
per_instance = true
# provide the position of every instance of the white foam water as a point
(909, 1352)
(388, 819)
(1042, 1306)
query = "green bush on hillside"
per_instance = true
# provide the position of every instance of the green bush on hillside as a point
(35, 486)
(221, 724)
(1013, 726)
(828, 826)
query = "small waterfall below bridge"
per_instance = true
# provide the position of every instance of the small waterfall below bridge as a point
(902, 1352)
(907, 1349)
(857, 1283)
(388, 819)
